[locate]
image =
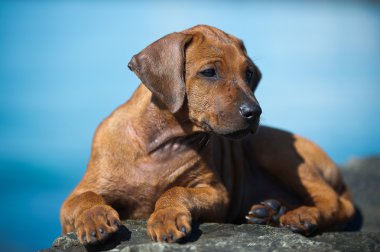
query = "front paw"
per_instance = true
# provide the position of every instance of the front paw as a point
(169, 224)
(303, 220)
(96, 224)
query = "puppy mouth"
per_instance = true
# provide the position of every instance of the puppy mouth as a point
(203, 125)
(238, 134)
(233, 134)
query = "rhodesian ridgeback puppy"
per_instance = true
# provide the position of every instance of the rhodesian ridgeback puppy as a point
(182, 149)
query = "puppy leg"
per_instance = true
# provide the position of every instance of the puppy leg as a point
(324, 209)
(304, 219)
(309, 173)
(89, 216)
(177, 207)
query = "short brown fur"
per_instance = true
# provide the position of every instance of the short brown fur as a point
(166, 154)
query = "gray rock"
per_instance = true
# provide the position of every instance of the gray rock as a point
(227, 237)
(362, 176)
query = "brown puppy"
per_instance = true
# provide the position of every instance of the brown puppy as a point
(170, 153)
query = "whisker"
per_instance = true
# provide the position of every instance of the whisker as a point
(204, 141)
(201, 142)
(208, 140)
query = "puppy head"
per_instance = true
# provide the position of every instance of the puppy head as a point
(212, 70)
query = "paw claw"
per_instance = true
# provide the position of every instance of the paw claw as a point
(267, 212)
(93, 234)
(254, 220)
(183, 229)
(260, 212)
(164, 238)
(309, 228)
(84, 239)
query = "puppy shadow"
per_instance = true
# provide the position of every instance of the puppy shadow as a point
(353, 225)
(357, 221)
(123, 234)
(195, 234)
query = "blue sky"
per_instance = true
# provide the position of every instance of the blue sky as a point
(63, 68)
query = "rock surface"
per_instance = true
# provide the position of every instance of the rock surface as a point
(228, 237)
(361, 175)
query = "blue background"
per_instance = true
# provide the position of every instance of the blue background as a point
(63, 68)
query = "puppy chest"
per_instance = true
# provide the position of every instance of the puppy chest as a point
(135, 193)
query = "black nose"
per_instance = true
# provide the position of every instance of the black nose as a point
(250, 111)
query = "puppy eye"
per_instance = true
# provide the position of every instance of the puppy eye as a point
(210, 72)
(248, 76)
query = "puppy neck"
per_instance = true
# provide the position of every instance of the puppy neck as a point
(160, 130)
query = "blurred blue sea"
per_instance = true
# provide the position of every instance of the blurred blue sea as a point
(63, 68)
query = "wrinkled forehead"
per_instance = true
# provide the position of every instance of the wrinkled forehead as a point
(209, 43)
(214, 34)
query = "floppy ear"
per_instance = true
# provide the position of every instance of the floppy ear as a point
(161, 66)
(256, 78)
(258, 75)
